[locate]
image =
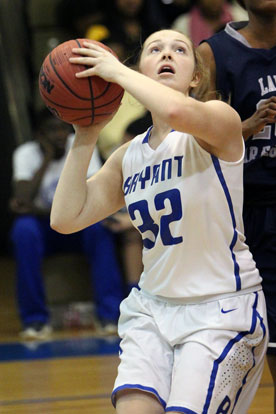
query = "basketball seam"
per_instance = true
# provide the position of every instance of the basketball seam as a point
(91, 93)
(76, 114)
(81, 109)
(88, 116)
(65, 84)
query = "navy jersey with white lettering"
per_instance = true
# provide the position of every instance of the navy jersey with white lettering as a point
(247, 76)
(187, 205)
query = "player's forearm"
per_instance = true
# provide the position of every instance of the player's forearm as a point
(71, 191)
(159, 99)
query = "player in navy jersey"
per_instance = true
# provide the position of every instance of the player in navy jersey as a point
(194, 332)
(242, 60)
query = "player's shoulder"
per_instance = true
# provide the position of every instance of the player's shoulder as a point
(222, 106)
(116, 158)
(118, 155)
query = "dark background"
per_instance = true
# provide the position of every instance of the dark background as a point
(28, 31)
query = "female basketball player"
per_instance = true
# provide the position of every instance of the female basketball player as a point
(194, 335)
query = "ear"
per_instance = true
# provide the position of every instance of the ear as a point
(196, 80)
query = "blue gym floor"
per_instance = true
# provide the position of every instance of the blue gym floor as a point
(73, 347)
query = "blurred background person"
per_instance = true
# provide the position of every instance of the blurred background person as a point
(207, 17)
(121, 24)
(171, 9)
(37, 165)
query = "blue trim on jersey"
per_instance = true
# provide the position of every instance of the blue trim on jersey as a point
(146, 139)
(137, 387)
(225, 353)
(180, 410)
(230, 204)
(262, 324)
(254, 322)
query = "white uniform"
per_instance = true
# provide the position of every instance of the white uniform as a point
(188, 208)
(195, 334)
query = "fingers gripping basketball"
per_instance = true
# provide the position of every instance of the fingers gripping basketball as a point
(82, 101)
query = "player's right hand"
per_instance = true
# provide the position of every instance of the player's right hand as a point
(98, 61)
(94, 129)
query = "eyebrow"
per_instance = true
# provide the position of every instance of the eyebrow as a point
(175, 40)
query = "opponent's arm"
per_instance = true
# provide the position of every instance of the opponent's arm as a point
(266, 112)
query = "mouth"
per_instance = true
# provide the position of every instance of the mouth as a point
(166, 69)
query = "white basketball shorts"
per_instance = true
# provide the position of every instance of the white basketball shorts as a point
(196, 359)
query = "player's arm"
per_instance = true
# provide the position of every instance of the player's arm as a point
(79, 202)
(215, 123)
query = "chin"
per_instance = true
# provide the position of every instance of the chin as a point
(169, 82)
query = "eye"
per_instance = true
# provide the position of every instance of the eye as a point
(180, 50)
(154, 49)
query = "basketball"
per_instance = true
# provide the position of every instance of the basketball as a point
(83, 101)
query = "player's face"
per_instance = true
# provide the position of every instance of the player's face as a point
(262, 7)
(168, 58)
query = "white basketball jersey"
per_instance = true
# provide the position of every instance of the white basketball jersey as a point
(187, 205)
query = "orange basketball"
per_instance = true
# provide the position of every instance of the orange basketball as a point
(83, 101)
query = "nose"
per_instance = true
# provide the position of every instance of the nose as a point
(166, 55)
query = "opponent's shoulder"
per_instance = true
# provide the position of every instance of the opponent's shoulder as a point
(215, 44)
(205, 50)
(207, 55)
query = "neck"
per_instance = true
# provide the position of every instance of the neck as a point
(159, 132)
(260, 31)
(160, 127)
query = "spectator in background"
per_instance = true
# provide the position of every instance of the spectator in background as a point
(36, 169)
(208, 17)
(171, 9)
(75, 16)
(121, 24)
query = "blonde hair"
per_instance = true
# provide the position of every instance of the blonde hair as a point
(202, 91)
